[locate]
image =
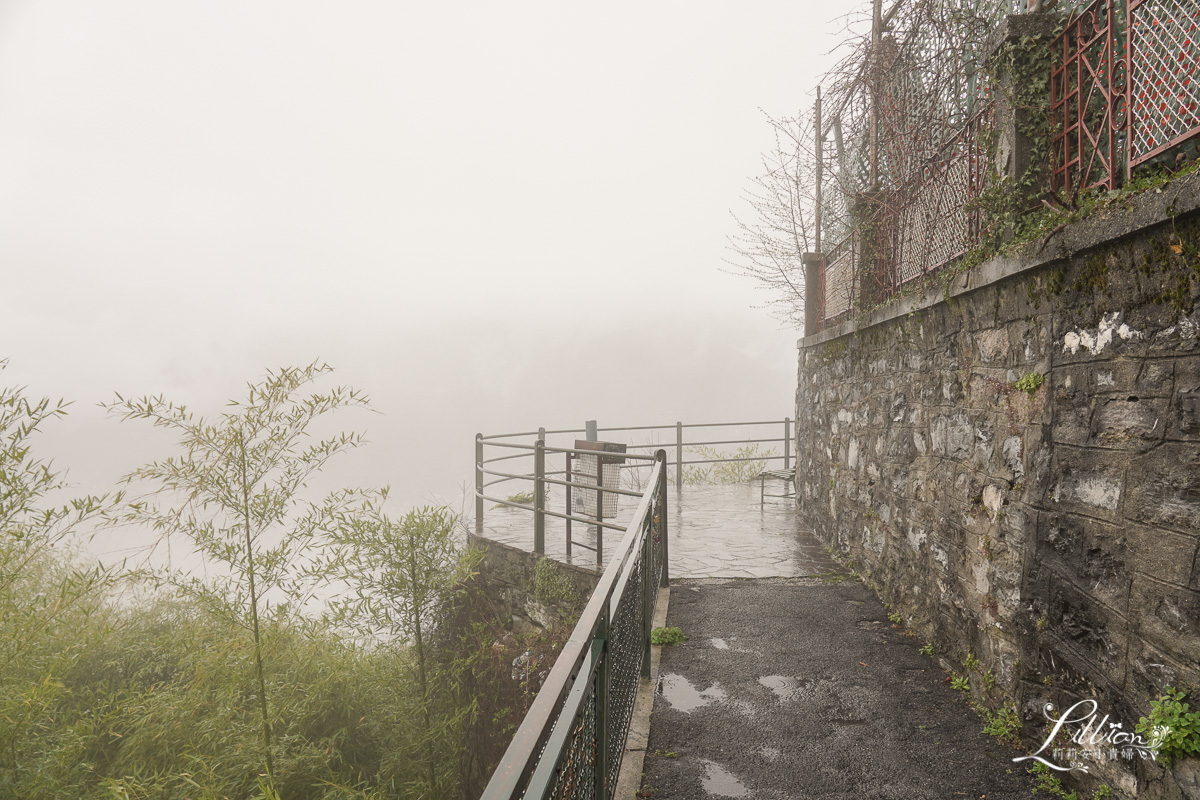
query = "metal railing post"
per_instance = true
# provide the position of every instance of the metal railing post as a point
(479, 483)
(539, 497)
(661, 488)
(602, 687)
(599, 510)
(678, 458)
(568, 504)
(647, 588)
(787, 442)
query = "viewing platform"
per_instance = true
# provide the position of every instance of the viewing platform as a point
(715, 531)
(792, 681)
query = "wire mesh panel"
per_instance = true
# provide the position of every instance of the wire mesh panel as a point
(839, 279)
(1087, 99)
(585, 469)
(1164, 76)
(935, 225)
(624, 652)
(576, 778)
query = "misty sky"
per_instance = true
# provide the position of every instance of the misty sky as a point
(430, 196)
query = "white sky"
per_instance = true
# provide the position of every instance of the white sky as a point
(423, 194)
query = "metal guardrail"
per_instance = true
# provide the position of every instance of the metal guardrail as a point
(571, 742)
(487, 474)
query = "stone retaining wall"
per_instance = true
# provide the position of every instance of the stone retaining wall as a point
(1014, 462)
(509, 577)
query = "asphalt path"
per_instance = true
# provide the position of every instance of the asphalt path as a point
(802, 688)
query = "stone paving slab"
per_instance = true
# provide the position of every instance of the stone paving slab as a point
(800, 688)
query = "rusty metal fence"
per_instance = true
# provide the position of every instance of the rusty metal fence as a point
(836, 281)
(1125, 90)
(1124, 93)
(1164, 77)
(924, 223)
(1088, 94)
(906, 161)
(933, 223)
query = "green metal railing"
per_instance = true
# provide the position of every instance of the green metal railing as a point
(571, 741)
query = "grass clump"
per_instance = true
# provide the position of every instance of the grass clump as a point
(521, 498)
(1029, 383)
(1003, 724)
(667, 636)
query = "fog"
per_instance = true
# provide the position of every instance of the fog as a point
(487, 216)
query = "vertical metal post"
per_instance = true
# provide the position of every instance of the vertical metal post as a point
(602, 687)
(479, 483)
(820, 168)
(787, 442)
(874, 84)
(647, 569)
(591, 434)
(663, 530)
(568, 506)
(678, 458)
(539, 497)
(1127, 59)
(969, 69)
(599, 510)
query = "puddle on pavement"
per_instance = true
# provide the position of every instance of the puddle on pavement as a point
(785, 687)
(720, 782)
(683, 696)
(720, 644)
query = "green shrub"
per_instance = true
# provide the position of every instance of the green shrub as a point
(1172, 721)
(753, 461)
(551, 587)
(667, 636)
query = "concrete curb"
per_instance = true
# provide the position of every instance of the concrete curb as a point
(630, 779)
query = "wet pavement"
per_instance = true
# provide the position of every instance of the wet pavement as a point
(717, 531)
(801, 688)
(792, 682)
